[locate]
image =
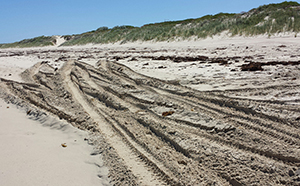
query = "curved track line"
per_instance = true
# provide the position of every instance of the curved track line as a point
(132, 160)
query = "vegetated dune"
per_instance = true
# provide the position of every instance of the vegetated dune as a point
(154, 132)
(268, 19)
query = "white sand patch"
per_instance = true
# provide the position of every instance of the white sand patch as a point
(59, 40)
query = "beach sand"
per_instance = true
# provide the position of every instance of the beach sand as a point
(32, 153)
(162, 113)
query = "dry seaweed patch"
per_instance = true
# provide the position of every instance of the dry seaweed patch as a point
(252, 66)
(255, 66)
(168, 113)
(222, 140)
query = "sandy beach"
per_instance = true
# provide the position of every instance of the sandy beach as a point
(219, 111)
(32, 153)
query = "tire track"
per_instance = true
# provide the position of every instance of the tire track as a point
(207, 138)
(130, 133)
(131, 160)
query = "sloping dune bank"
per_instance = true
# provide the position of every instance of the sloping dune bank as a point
(215, 112)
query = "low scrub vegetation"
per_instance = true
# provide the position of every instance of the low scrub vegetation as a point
(34, 42)
(267, 19)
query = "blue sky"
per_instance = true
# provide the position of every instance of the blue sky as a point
(23, 19)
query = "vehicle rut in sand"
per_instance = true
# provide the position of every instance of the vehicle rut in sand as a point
(163, 133)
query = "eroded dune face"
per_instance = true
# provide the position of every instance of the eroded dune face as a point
(208, 138)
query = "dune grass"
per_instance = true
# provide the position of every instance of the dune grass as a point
(267, 19)
(34, 42)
